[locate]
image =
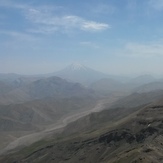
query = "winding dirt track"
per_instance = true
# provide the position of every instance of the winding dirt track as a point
(31, 138)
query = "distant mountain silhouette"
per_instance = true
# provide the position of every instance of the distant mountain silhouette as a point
(149, 87)
(80, 73)
(45, 88)
(143, 79)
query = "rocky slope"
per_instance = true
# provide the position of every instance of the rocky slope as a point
(133, 138)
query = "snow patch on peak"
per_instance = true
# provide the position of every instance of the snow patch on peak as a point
(77, 66)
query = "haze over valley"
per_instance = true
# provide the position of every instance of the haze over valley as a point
(81, 81)
(47, 107)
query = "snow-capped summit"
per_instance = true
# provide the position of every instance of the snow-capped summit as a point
(80, 73)
(76, 67)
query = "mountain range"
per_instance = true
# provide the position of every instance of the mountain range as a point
(80, 115)
(44, 88)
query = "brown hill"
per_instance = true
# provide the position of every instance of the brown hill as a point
(40, 112)
(17, 120)
(132, 135)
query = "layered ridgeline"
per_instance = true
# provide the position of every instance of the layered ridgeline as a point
(40, 103)
(109, 86)
(43, 88)
(139, 84)
(85, 75)
(117, 135)
(43, 101)
(31, 103)
(98, 81)
(74, 73)
(150, 87)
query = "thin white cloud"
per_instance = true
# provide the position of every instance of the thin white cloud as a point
(18, 41)
(93, 26)
(144, 50)
(19, 36)
(12, 4)
(49, 22)
(50, 19)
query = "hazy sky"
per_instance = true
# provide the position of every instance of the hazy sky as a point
(113, 36)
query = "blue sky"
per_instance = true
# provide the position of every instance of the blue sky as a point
(113, 36)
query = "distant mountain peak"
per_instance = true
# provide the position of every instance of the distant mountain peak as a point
(79, 73)
(76, 66)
